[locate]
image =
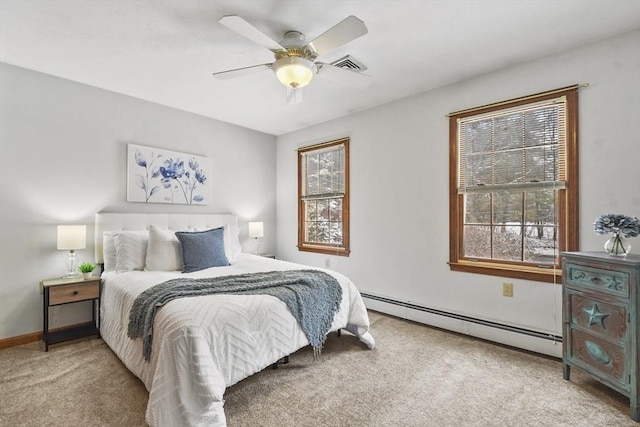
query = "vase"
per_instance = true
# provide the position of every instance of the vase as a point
(617, 245)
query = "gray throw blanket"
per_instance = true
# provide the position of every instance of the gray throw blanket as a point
(313, 297)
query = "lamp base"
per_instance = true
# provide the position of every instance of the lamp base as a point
(72, 263)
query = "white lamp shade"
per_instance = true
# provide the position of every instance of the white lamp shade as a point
(256, 229)
(72, 237)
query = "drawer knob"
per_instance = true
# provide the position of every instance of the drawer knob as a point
(597, 353)
(596, 280)
(596, 317)
(75, 292)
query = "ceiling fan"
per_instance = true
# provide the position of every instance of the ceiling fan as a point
(295, 60)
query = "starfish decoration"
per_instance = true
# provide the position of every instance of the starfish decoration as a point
(596, 316)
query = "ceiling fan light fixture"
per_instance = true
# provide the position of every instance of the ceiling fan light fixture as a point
(294, 72)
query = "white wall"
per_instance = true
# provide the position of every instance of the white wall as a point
(399, 182)
(63, 149)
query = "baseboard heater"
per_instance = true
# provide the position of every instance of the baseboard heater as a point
(529, 332)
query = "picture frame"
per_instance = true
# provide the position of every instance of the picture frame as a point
(155, 175)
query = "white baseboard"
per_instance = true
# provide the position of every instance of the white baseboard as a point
(550, 345)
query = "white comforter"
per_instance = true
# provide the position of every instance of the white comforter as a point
(201, 345)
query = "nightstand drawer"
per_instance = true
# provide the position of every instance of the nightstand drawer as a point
(600, 357)
(607, 320)
(601, 280)
(74, 292)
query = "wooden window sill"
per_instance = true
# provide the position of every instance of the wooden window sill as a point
(538, 274)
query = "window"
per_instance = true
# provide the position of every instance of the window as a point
(323, 198)
(513, 192)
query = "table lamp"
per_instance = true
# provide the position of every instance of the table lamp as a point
(72, 237)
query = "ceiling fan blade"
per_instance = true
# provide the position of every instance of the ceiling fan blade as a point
(342, 33)
(343, 76)
(239, 72)
(245, 29)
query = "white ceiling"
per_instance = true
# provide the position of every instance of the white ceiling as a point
(165, 51)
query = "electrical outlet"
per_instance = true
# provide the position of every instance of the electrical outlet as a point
(56, 312)
(327, 263)
(507, 289)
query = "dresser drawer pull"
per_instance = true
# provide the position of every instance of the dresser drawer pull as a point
(597, 280)
(596, 317)
(597, 353)
(75, 292)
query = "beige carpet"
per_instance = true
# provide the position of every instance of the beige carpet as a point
(416, 376)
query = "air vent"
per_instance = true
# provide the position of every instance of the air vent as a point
(350, 63)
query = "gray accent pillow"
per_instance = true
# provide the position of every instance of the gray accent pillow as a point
(202, 249)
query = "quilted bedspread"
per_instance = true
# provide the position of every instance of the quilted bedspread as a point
(204, 344)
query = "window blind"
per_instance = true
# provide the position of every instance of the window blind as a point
(324, 173)
(518, 149)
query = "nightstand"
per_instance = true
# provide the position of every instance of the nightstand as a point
(67, 291)
(601, 315)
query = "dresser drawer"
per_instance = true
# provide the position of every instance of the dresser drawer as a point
(74, 292)
(598, 279)
(602, 358)
(607, 320)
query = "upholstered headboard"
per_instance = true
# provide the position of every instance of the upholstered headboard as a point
(142, 221)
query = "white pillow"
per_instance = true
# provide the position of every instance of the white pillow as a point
(233, 246)
(131, 249)
(108, 251)
(109, 247)
(163, 251)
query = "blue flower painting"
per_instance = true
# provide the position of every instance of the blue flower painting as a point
(161, 176)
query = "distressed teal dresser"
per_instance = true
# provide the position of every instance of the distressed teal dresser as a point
(600, 318)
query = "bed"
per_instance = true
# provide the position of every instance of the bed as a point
(201, 344)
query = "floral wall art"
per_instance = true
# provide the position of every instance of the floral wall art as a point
(161, 176)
